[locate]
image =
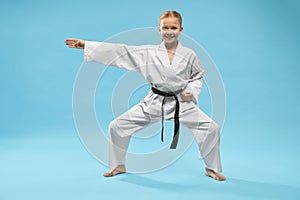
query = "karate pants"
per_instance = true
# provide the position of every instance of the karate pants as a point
(205, 131)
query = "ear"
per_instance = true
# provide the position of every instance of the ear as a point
(158, 28)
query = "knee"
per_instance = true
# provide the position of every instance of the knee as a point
(214, 127)
(116, 127)
(112, 126)
(113, 130)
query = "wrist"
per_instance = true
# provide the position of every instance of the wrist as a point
(81, 43)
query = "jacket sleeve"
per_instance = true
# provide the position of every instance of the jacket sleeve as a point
(196, 79)
(119, 55)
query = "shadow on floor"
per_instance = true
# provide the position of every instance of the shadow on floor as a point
(231, 187)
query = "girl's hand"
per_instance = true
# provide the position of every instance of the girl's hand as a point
(186, 96)
(75, 43)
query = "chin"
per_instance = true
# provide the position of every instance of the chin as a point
(173, 41)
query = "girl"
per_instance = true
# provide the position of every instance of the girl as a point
(176, 76)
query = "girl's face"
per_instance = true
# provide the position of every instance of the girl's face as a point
(170, 29)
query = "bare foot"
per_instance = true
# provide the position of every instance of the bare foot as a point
(214, 175)
(120, 169)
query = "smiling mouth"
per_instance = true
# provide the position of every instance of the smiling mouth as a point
(169, 37)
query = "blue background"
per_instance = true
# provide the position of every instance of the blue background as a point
(255, 45)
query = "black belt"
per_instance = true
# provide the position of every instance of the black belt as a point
(176, 116)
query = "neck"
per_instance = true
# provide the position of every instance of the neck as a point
(172, 46)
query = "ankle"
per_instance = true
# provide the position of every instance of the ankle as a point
(121, 167)
(209, 170)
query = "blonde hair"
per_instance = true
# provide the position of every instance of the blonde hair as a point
(171, 13)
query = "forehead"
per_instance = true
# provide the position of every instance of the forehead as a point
(170, 21)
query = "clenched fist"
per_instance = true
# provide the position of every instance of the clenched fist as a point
(186, 96)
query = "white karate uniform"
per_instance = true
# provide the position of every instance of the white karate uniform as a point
(184, 74)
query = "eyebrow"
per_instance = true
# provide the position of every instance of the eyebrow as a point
(172, 27)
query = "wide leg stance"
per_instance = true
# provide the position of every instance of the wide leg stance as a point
(206, 133)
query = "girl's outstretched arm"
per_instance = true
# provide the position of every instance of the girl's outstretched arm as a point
(119, 55)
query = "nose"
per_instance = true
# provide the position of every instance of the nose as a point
(168, 31)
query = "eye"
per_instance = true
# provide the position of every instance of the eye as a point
(174, 28)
